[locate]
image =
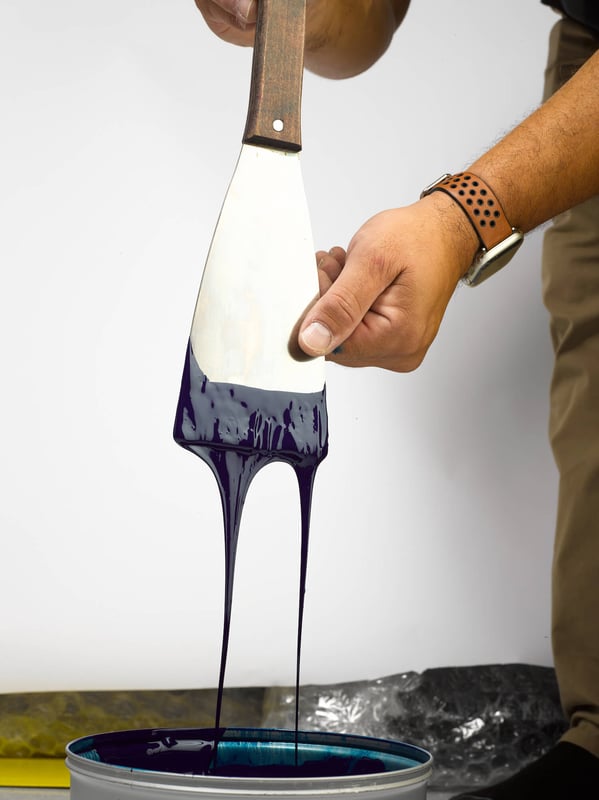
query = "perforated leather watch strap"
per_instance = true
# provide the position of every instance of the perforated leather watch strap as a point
(480, 204)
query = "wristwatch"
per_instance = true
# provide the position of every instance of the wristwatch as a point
(499, 240)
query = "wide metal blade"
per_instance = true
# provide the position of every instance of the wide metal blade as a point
(259, 279)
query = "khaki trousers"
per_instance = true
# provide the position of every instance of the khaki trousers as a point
(571, 294)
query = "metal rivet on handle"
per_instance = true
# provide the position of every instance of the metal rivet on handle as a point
(278, 125)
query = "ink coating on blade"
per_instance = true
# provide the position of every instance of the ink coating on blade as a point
(289, 426)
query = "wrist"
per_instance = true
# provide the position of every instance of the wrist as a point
(498, 239)
(459, 238)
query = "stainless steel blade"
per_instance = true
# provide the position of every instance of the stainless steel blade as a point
(259, 278)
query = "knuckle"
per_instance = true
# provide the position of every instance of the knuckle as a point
(379, 261)
(379, 253)
(345, 305)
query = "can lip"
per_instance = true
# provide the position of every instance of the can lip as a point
(93, 767)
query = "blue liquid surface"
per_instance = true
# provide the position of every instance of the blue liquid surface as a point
(248, 753)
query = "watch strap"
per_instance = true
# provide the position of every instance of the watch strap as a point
(480, 204)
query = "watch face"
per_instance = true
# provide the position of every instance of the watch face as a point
(491, 261)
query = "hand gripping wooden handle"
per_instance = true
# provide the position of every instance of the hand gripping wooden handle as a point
(274, 112)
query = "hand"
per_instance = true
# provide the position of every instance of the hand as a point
(342, 39)
(382, 302)
(231, 20)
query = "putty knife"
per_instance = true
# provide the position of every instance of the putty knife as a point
(260, 275)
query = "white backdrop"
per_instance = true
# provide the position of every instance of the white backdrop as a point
(433, 514)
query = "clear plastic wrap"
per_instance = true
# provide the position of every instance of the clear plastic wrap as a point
(480, 723)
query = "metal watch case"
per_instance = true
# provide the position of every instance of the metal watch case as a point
(488, 262)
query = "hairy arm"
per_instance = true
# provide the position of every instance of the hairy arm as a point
(550, 162)
(343, 37)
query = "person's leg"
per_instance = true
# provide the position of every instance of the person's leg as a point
(574, 298)
(571, 291)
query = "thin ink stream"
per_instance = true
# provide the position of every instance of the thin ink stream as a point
(305, 478)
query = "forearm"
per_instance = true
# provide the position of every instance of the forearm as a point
(342, 43)
(550, 162)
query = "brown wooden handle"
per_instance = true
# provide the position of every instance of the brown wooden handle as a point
(274, 112)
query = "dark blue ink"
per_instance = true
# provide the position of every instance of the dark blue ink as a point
(237, 430)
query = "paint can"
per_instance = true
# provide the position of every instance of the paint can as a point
(166, 764)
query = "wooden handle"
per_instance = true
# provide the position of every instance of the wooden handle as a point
(274, 112)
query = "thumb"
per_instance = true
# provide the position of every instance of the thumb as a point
(337, 314)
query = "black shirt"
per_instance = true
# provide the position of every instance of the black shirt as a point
(584, 11)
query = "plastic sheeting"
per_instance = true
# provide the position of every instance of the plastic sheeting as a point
(480, 723)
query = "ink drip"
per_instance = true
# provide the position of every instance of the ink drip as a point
(237, 430)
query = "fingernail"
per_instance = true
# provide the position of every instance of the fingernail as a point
(317, 338)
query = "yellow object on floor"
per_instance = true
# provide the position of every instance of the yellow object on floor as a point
(39, 772)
